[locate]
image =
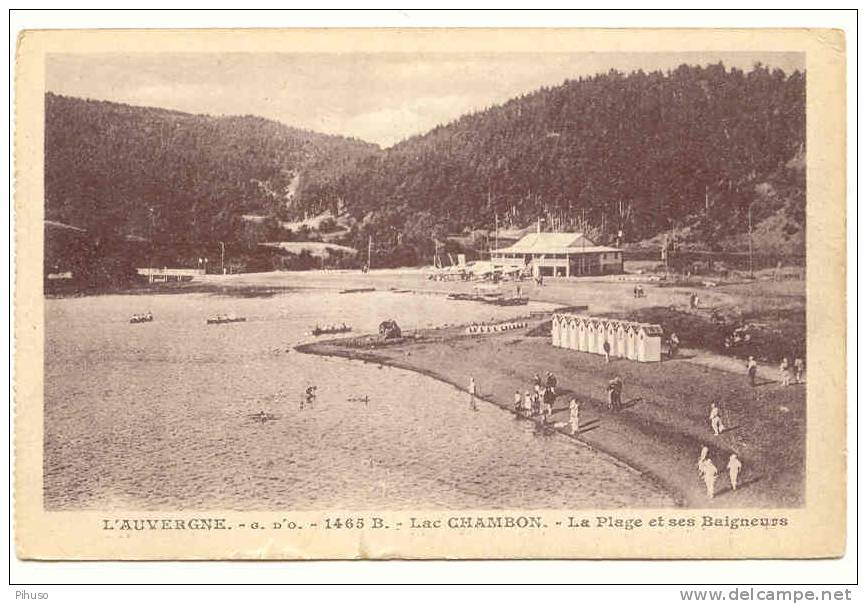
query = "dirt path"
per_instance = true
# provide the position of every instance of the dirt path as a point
(764, 373)
(665, 420)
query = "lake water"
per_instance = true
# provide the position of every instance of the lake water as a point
(157, 416)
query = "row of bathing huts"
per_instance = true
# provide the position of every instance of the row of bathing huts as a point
(626, 339)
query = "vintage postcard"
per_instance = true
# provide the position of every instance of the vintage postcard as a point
(327, 294)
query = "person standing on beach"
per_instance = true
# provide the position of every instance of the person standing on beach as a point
(537, 381)
(716, 423)
(673, 344)
(606, 349)
(615, 390)
(519, 401)
(472, 391)
(752, 367)
(574, 415)
(799, 370)
(537, 403)
(734, 466)
(550, 382)
(528, 403)
(707, 471)
(548, 404)
(784, 372)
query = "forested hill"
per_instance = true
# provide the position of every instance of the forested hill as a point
(689, 149)
(175, 177)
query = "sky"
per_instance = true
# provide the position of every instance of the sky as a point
(380, 98)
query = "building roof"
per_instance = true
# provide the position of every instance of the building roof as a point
(315, 248)
(555, 243)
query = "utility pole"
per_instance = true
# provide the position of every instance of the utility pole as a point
(222, 258)
(750, 227)
(150, 242)
(706, 203)
(369, 250)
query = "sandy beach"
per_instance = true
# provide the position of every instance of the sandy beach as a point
(664, 424)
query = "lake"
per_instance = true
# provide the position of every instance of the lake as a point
(157, 416)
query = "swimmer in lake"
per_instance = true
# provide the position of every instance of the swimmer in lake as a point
(309, 396)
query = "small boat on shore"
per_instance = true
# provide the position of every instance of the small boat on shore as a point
(489, 295)
(508, 301)
(357, 290)
(141, 318)
(220, 319)
(321, 331)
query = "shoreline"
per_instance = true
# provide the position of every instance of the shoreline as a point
(323, 349)
(658, 441)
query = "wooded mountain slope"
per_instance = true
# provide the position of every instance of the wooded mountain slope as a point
(689, 151)
(176, 177)
(644, 152)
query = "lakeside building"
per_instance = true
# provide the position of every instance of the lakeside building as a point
(640, 342)
(559, 255)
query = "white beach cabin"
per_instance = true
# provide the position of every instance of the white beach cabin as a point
(611, 336)
(620, 340)
(649, 343)
(631, 339)
(582, 334)
(601, 335)
(573, 332)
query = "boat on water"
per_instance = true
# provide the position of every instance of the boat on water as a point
(320, 331)
(357, 290)
(220, 319)
(141, 318)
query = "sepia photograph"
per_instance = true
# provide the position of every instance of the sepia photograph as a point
(517, 281)
(533, 262)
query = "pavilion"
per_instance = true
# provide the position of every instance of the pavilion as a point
(559, 255)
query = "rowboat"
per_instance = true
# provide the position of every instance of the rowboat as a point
(508, 301)
(219, 320)
(494, 298)
(319, 331)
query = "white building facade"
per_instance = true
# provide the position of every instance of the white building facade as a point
(559, 255)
